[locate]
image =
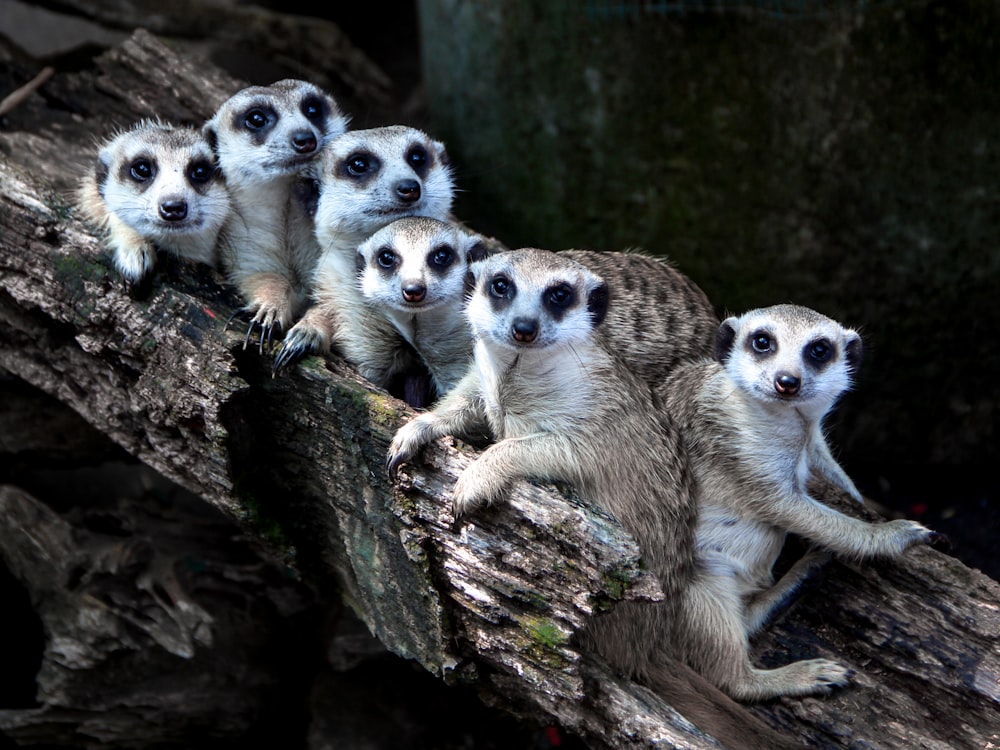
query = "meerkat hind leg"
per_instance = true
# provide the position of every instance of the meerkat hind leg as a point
(716, 645)
(764, 605)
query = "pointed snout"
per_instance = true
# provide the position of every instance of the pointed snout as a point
(524, 330)
(787, 384)
(174, 210)
(304, 141)
(414, 292)
(408, 190)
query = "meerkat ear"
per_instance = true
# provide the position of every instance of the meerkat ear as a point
(724, 339)
(597, 303)
(477, 252)
(208, 132)
(442, 153)
(853, 350)
(359, 262)
(102, 166)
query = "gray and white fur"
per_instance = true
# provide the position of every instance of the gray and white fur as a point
(752, 421)
(366, 180)
(155, 186)
(414, 273)
(562, 407)
(657, 318)
(267, 139)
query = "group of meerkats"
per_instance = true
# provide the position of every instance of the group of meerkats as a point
(609, 371)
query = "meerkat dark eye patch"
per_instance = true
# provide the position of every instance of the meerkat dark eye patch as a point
(558, 298)
(200, 172)
(313, 108)
(259, 118)
(142, 169)
(441, 258)
(502, 290)
(360, 166)
(819, 352)
(761, 342)
(386, 259)
(418, 159)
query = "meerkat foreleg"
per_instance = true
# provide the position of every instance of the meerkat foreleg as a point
(134, 255)
(822, 461)
(459, 412)
(843, 534)
(486, 479)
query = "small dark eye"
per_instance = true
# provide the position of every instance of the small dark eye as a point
(499, 287)
(442, 256)
(820, 350)
(761, 343)
(312, 108)
(142, 170)
(386, 258)
(357, 165)
(200, 172)
(561, 295)
(416, 157)
(255, 119)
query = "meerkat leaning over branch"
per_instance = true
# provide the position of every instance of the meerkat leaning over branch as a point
(753, 424)
(266, 139)
(155, 186)
(366, 180)
(561, 406)
(414, 273)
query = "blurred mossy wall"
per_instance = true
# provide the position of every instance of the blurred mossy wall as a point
(840, 155)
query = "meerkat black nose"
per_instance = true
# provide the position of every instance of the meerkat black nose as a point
(525, 330)
(414, 292)
(786, 384)
(408, 190)
(174, 210)
(304, 142)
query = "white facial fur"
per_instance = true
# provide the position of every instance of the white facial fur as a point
(162, 182)
(368, 178)
(787, 354)
(524, 301)
(417, 264)
(266, 131)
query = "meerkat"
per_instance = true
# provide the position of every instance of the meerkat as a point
(562, 406)
(155, 186)
(267, 139)
(752, 420)
(366, 180)
(658, 316)
(414, 273)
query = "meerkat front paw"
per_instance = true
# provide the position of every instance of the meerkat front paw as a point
(825, 675)
(300, 341)
(406, 443)
(478, 485)
(905, 533)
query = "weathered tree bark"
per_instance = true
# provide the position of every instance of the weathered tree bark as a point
(297, 463)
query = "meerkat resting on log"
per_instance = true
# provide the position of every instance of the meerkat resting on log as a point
(752, 424)
(266, 139)
(414, 274)
(561, 406)
(366, 180)
(155, 186)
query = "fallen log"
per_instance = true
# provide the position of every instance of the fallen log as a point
(297, 463)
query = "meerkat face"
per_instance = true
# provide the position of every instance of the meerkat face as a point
(162, 181)
(368, 178)
(789, 354)
(417, 264)
(535, 299)
(262, 132)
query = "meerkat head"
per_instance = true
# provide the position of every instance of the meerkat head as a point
(533, 299)
(368, 178)
(789, 354)
(417, 264)
(162, 181)
(263, 132)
